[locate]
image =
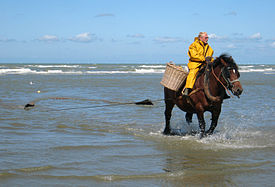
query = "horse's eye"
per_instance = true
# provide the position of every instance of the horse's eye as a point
(227, 74)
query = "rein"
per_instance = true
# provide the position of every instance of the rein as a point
(221, 82)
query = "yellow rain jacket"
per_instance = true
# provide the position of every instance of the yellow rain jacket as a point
(197, 53)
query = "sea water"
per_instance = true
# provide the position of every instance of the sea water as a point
(82, 130)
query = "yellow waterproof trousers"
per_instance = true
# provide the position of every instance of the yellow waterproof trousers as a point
(193, 67)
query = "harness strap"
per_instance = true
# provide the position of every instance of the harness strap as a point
(221, 82)
(236, 80)
(195, 91)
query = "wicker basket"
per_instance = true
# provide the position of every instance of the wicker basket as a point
(173, 77)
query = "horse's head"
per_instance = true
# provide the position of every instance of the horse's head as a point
(230, 73)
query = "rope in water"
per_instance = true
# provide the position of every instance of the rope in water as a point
(32, 104)
(87, 107)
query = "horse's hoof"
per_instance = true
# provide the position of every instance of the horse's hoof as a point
(189, 122)
(208, 133)
(166, 132)
(201, 135)
(193, 133)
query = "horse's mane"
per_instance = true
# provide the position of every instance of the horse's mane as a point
(227, 59)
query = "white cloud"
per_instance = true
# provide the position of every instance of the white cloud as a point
(134, 43)
(167, 40)
(236, 37)
(212, 36)
(105, 15)
(7, 40)
(231, 46)
(238, 34)
(85, 37)
(272, 45)
(231, 13)
(216, 37)
(136, 36)
(256, 36)
(49, 38)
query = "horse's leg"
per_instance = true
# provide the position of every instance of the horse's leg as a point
(169, 105)
(215, 117)
(201, 123)
(169, 96)
(188, 117)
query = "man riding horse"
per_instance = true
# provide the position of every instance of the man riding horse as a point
(215, 78)
(199, 53)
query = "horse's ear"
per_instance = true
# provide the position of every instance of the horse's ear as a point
(223, 62)
(230, 58)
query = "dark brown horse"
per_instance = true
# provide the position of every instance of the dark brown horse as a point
(207, 95)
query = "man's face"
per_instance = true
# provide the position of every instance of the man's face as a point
(204, 38)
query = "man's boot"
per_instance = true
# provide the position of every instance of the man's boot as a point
(186, 92)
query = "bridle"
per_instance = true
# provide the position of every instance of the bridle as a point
(228, 82)
(225, 71)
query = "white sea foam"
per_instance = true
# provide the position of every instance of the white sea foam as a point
(29, 71)
(149, 71)
(58, 72)
(54, 66)
(16, 71)
(256, 70)
(237, 138)
(110, 69)
(137, 71)
(228, 137)
(246, 66)
(107, 72)
(152, 66)
(250, 68)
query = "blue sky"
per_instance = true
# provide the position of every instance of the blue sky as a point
(134, 31)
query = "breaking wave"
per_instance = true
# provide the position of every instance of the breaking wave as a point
(6, 69)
